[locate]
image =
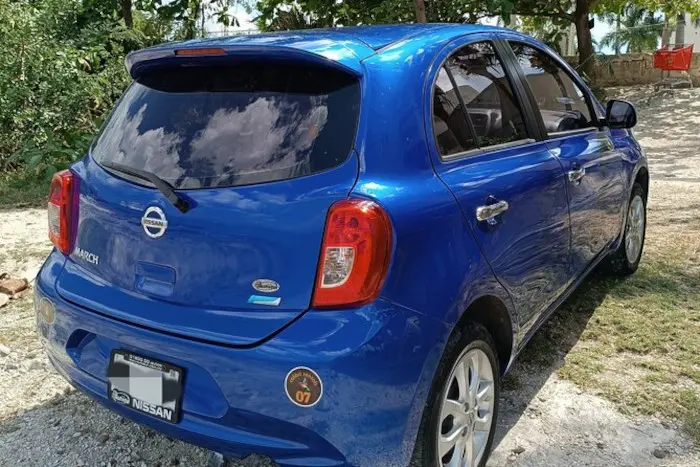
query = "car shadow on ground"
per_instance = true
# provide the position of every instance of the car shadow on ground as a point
(545, 353)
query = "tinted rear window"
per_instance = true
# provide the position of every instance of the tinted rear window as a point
(203, 126)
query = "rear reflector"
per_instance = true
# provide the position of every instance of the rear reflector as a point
(62, 210)
(200, 52)
(354, 256)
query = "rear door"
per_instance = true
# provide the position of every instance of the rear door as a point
(511, 189)
(260, 150)
(595, 169)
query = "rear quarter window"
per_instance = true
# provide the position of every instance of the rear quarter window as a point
(222, 126)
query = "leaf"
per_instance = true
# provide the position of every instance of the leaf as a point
(67, 152)
(35, 160)
(86, 64)
(49, 171)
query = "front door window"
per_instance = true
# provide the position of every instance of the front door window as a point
(561, 102)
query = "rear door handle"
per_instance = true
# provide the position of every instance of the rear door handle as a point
(577, 174)
(489, 212)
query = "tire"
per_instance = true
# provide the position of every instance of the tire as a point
(473, 341)
(625, 261)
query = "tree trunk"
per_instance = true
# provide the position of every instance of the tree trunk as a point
(680, 29)
(665, 34)
(190, 25)
(190, 28)
(126, 13)
(585, 40)
(420, 11)
(617, 34)
(202, 18)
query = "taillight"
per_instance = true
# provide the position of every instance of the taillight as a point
(62, 210)
(354, 256)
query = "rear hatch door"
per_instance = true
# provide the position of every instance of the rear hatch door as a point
(260, 150)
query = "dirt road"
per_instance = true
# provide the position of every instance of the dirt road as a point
(545, 420)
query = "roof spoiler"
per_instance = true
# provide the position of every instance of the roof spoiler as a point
(142, 61)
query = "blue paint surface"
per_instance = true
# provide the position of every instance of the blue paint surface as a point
(187, 298)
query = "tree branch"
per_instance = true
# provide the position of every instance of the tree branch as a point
(544, 9)
(592, 4)
(558, 14)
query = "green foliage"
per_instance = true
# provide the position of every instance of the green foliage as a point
(328, 13)
(52, 155)
(293, 18)
(188, 13)
(551, 31)
(548, 18)
(63, 65)
(62, 70)
(640, 30)
(20, 189)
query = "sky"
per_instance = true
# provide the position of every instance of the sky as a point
(601, 28)
(239, 12)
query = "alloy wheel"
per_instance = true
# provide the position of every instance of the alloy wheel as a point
(466, 412)
(634, 231)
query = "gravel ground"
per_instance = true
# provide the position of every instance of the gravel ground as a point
(544, 421)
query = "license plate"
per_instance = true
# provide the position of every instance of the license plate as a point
(145, 385)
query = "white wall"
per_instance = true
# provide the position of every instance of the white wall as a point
(692, 34)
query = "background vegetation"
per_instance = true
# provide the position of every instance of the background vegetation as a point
(63, 60)
(62, 69)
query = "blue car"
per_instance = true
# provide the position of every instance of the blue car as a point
(327, 246)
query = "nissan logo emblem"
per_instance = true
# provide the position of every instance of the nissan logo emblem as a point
(154, 222)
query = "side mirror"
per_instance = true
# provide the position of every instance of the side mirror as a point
(620, 114)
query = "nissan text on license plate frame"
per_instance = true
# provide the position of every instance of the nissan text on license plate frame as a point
(145, 385)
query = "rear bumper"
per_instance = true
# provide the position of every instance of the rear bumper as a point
(376, 364)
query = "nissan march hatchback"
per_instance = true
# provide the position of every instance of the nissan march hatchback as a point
(327, 246)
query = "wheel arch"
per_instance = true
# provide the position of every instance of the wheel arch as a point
(492, 313)
(642, 177)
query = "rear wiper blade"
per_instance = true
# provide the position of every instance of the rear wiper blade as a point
(164, 187)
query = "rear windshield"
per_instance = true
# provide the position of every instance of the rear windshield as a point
(206, 127)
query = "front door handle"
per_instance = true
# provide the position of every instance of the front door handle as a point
(489, 212)
(576, 175)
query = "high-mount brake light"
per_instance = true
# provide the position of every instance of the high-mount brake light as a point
(355, 254)
(200, 52)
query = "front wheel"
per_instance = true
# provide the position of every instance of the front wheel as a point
(625, 260)
(459, 420)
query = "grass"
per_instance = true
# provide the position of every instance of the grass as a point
(18, 190)
(636, 340)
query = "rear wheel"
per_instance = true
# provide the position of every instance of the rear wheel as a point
(459, 420)
(625, 260)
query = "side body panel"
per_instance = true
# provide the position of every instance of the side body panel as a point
(597, 201)
(634, 160)
(396, 170)
(615, 158)
(528, 246)
(437, 268)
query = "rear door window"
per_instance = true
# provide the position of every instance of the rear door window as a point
(452, 132)
(222, 126)
(487, 94)
(474, 106)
